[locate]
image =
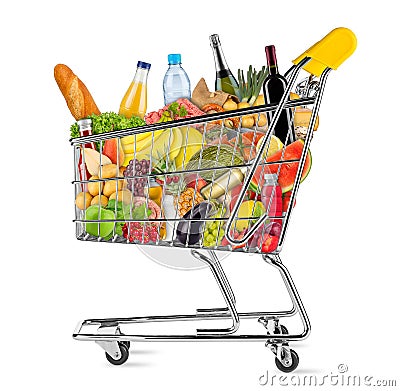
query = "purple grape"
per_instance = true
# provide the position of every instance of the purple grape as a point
(136, 167)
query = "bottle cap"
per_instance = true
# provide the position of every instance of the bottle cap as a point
(271, 54)
(144, 65)
(214, 40)
(84, 123)
(271, 179)
(174, 59)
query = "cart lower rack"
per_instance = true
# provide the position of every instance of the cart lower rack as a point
(187, 184)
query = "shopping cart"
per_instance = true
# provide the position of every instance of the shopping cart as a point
(132, 192)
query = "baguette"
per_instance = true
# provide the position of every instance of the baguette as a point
(77, 96)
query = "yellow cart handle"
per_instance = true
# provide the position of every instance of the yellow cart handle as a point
(330, 52)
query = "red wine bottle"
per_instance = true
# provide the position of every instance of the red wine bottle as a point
(273, 88)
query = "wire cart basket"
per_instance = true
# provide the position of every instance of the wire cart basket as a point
(206, 221)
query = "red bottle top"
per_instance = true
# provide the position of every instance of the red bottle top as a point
(271, 59)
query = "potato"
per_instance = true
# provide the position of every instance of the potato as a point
(109, 171)
(230, 105)
(259, 101)
(247, 121)
(260, 121)
(123, 195)
(103, 200)
(112, 186)
(95, 188)
(83, 200)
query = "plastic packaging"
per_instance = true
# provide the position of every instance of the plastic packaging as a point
(134, 101)
(176, 82)
(271, 196)
(331, 51)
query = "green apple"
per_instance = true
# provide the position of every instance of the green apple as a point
(96, 212)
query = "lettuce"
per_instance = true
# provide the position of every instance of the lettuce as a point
(107, 122)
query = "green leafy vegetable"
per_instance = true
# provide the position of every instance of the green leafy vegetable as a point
(173, 110)
(141, 212)
(107, 122)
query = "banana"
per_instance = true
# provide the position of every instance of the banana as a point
(130, 139)
(176, 144)
(142, 144)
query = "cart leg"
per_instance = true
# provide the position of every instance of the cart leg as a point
(294, 294)
(226, 291)
(227, 286)
(286, 359)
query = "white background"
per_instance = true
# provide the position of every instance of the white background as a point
(342, 243)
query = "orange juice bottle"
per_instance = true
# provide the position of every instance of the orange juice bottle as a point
(134, 101)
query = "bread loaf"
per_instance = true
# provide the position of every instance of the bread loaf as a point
(77, 96)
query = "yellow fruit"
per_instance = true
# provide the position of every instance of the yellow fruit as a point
(176, 144)
(128, 158)
(159, 148)
(130, 139)
(193, 140)
(294, 96)
(187, 200)
(249, 210)
(128, 142)
(274, 146)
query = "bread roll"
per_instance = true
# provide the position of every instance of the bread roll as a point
(77, 96)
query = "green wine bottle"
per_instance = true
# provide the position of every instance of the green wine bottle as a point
(224, 79)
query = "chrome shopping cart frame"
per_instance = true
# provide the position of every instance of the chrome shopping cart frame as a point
(274, 334)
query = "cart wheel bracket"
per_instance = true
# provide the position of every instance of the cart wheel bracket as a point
(112, 348)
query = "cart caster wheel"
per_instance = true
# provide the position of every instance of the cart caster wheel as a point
(127, 344)
(283, 329)
(124, 355)
(292, 367)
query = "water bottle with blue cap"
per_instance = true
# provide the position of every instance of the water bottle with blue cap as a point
(176, 82)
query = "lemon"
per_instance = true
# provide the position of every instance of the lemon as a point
(274, 146)
(249, 210)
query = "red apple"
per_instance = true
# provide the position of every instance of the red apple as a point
(110, 149)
